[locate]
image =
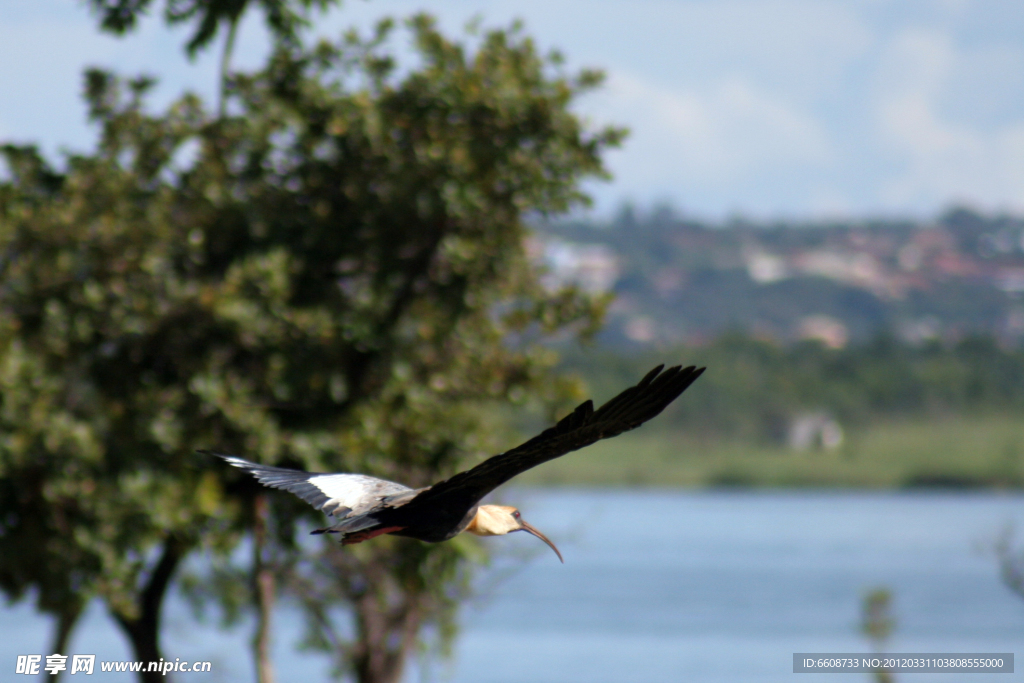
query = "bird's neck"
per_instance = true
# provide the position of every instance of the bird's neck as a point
(474, 525)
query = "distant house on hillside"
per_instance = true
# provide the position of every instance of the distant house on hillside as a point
(591, 267)
(814, 431)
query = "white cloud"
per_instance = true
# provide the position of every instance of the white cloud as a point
(767, 107)
(728, 132)
(942, 157)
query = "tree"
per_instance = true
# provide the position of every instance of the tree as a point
(284, 18)
(94, 422)
(333, 279)
(877, 623)
(1011, 561)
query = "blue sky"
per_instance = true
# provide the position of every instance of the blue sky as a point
(763, 108)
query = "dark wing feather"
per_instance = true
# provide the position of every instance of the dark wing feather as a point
(580, 428)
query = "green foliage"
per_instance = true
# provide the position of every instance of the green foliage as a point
(284, 18)
(1011, 561)
(333, 279)
(97, 422)
(877, 623)
(753, 387)
(931, 415)
(962, 452)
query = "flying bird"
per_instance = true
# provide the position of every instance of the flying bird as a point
(365, 506)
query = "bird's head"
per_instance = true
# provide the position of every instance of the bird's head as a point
(498, 520)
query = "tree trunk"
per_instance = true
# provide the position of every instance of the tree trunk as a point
(225, 65)
(143, 629)
(264, 590)
(66, 621)
(386, 637)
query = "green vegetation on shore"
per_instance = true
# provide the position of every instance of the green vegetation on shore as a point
(957, 451)
(934, 415)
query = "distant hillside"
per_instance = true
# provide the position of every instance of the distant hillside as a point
(681, 281)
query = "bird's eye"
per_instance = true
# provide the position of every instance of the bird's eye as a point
(516, 514)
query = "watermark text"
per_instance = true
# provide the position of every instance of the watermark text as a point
(32, 665)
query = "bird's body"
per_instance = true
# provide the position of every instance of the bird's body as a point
(365, 506)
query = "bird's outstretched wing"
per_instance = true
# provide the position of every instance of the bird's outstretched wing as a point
(348, 497)
(580, 428)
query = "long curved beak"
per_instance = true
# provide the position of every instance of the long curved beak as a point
(533, 530)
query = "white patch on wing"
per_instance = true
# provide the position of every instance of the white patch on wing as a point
(347, 496)
(353, 491)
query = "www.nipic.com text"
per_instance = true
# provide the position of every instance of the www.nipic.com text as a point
(86, 664)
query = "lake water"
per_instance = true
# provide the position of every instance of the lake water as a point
(668, 586)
